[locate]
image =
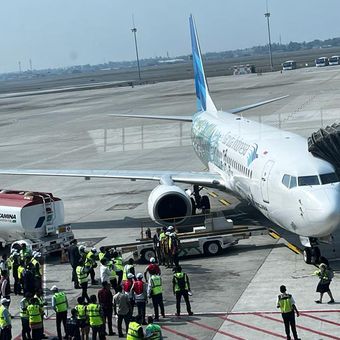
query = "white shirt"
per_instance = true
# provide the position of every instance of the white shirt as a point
(105, 274)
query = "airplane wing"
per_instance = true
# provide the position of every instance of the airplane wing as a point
(251, 106)
(176, 118)
(200, 178)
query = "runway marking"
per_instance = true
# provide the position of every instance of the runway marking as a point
(320, 319)
(293, 248)
(252, 327)
(301, 327)
(178, 333)
(212, 194)
(216, 330)
(224, 202)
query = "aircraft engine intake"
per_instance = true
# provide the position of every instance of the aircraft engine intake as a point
(169, 204)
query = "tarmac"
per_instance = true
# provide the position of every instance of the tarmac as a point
(234, 293)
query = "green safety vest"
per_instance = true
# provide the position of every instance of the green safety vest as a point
(3, 322)
(81, 274)
(156, 285)
(20, 271)
(23, 308)
(179, 276)
(93, 312)
(81, 312)
(112, 270)
(60, 302)
(37, 273)
(126, 270)
(119, 263)
(133, 331)
(34, 314)
(155, 330)
(25, 253)
(101, 255)
(285, 303)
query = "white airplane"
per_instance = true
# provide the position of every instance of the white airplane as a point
(270, 168)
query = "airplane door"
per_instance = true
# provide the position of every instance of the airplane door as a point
(264, 180)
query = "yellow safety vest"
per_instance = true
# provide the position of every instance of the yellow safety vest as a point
(285, 303)
(101, 255)
(39, 272)
(93, 312)
(156, 285)
(23, 308)
(81, 312)
(60, 302)
(34, 314)
(20, 271)
(112, 271)
(81, 274)
(133, 331)
(118, 263)
(3, 322)
(180, 276)
(126, 270)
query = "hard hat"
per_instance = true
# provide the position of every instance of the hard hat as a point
(36, 254)
(322, 265)
(139, 276)
(53, 288)
(81, 248)
(130, 276)
(170, 228)
(94, 250)
(168, 233)
(15, 253)
(173, 234)
(152, 260)
(4, 301)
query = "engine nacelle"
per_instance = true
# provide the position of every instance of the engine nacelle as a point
(169, 204)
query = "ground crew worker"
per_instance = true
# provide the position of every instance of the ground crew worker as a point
(287, 305)
(25, 326)
(157, 244)
(135, 330)
(129, 268)
(155, 292)
(181, 287)
(153, 331)
(82, 275)
(102, 254)
(118, 266)
(162, 239)
(35, 319)
(166, 249)
(152, 267)
(5, 320)
(72, 327)
(325, 275)
(82, 318)
(105, 298)
(5, 287)
(96, 320)
(15, 265)
(21, 269)
(39, 295)
(36, 269)
(74, 257)
(5, 264)
(127, 285)
(140, 296)
(25, 252)
(121, 308)
(113, 275)
(60, 305)
(91, 262)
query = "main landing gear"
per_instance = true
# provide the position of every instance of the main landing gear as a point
(199, 202)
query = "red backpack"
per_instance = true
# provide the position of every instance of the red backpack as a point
(138, 287)
(127, 284)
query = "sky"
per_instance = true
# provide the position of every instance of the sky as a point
(58, 33)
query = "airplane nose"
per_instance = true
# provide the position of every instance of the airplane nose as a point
(324, 216)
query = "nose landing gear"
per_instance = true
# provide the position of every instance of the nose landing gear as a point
(311, 255)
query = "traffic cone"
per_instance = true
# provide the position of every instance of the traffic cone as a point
(64, 256)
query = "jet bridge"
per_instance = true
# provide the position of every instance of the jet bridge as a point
(325, 144)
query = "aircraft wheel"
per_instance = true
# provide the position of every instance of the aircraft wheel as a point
(316, 254)
(307, 255)
(147, 254)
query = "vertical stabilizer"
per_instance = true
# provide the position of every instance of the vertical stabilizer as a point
(204, 102)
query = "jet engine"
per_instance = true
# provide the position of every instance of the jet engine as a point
(169, 204)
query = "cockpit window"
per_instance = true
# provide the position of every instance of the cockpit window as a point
(308, 180)
(292, 183)
(285, 180)
(332, 177)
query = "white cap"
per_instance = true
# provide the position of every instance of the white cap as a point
(168, 233)
(54, 288)
(139, 276)
(170, 227)
(130, 276)
(3, 301)
(36, 254)
(152, 260)
(82, 248)
(94, 250)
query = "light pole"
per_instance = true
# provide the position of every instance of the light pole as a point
(134, 31)
(267, 15)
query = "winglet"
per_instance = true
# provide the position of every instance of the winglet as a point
(204, 102)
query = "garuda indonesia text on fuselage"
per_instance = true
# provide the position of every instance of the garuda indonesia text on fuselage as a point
(270, 168)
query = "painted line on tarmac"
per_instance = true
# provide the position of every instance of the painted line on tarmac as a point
(252, 327)
(302, 327)
(275, 312)
(216, 330)
(178, 333)
(224, 202)
(320, 319)
(212, 194)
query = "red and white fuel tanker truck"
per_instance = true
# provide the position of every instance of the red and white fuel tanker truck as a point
(36, 218)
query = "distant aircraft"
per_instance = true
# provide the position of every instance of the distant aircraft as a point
(265, 166)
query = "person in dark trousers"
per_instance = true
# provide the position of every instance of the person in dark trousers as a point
(59, 305)
(72, 326)
(25, 327)
(28, 279)
(139, 294)
(121, 308)
(74, 257)
(105, 299)
(325, 274)
(15, 259)
(157, 244)
(155, 292)
(82, 274)
(96, 319)
(288, 309)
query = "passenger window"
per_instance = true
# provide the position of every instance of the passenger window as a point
(292, 183)
(285, 180)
